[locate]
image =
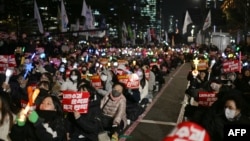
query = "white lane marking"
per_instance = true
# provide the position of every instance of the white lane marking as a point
(181, 114)
(158, 122)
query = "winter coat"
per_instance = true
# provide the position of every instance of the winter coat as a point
(115, 109)
(51, 129)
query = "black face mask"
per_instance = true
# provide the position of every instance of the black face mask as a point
(47, 115)
(43, 92)
(115, 93)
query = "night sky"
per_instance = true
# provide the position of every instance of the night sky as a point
(178, 8)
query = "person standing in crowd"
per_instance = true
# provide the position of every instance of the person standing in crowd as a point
(7, 118)
(46, 123)
(113, 107)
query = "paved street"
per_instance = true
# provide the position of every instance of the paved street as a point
(164, 112)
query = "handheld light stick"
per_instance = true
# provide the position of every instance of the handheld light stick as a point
(134, 62)
(196, 62)
(24, 112)
(195, 72)
(211, 65)
(8, 74)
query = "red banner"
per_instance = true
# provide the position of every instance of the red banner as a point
(75, 101)
(206, 98)
(131, 81)
(7, 61)
(231, 66)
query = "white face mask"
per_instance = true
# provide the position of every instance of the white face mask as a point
(104, 77)
(140, 74)
(232, 77)
(215, 86)
(73, 77)
(229, 113)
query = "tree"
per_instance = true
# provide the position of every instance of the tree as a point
(236, 13)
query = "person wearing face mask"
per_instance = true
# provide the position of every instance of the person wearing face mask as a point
(143, 87)
(71, 83)
(113, 107)
(231, 112)
(106, 79)
(46, 123)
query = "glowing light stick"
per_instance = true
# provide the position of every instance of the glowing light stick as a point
(8, 74)
(29, 66)
(24, 112)
(195, 72)
(87, 58)
(196, 62)
(134, 62)
(211, 65)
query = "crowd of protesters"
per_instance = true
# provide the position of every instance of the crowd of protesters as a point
(222, 77)
(62, 64)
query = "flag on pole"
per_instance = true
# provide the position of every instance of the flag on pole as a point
(166, 36)
(89, 19)
(37, 16)
(187, 21)
(124, 33)
(149, 38)
(64, 18)
(84, 8)
(207, 22)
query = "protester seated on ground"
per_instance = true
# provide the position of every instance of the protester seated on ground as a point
(196, 83)
(46, 76)
(159, 78)
(46, 123)
(143, 87)
(231, 112)
(43, 86)
(151, 82)
(7, 118)
(85, 126)
(113, 106)
(18, 92)
(196, 112)
(71, 83)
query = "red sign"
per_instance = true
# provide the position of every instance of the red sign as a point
(75, 101)
(96, 81)
(206, 98)
(188, 131)
(130, 80)
(231, 66)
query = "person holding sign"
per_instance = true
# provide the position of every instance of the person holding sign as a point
(85, 126)
(43, 124)
(231, 112)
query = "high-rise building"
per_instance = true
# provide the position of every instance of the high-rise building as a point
(216, 4)
(150, 11)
